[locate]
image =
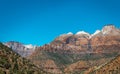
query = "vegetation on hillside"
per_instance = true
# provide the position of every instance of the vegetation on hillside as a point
(12, 63)
(69, 63)
(111, 67)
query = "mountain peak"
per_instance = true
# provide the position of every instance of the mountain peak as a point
(30, 46)
(66, 34)
(106, 30)
(82, 32)
(110, 29)
(69, 33)
(95, 33)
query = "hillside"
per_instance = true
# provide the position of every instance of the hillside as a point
(12, 63)
(110, 67)
(68, 52)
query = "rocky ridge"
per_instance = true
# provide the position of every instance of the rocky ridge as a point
(68, 51)
(21, 49)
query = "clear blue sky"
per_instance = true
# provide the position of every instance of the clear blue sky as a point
(40, 21)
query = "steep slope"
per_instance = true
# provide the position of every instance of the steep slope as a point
(67, 51)
(12, 63)
(111, 67)
(83, 65)
(21, 49)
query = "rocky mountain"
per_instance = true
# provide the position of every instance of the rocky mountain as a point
(12, 63)
(21, 49)
(83, 42)
(70, 51)
(80, 53)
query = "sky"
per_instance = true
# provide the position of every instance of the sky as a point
(38, 22)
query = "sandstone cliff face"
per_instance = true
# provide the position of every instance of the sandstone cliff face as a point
(69, 50)
(71, 39)
(105, 44)
(98, 42)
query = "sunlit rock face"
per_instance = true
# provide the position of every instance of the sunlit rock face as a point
(23, 50)
(107, 37)
(71, 52)
(110, 30)
(78, 52)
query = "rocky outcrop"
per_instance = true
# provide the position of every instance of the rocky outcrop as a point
(21, 49)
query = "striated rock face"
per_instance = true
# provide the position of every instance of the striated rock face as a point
(82, 41)
(49, 65)
(85, 66)
(23, 50)
(79, 66)
(70, 51)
